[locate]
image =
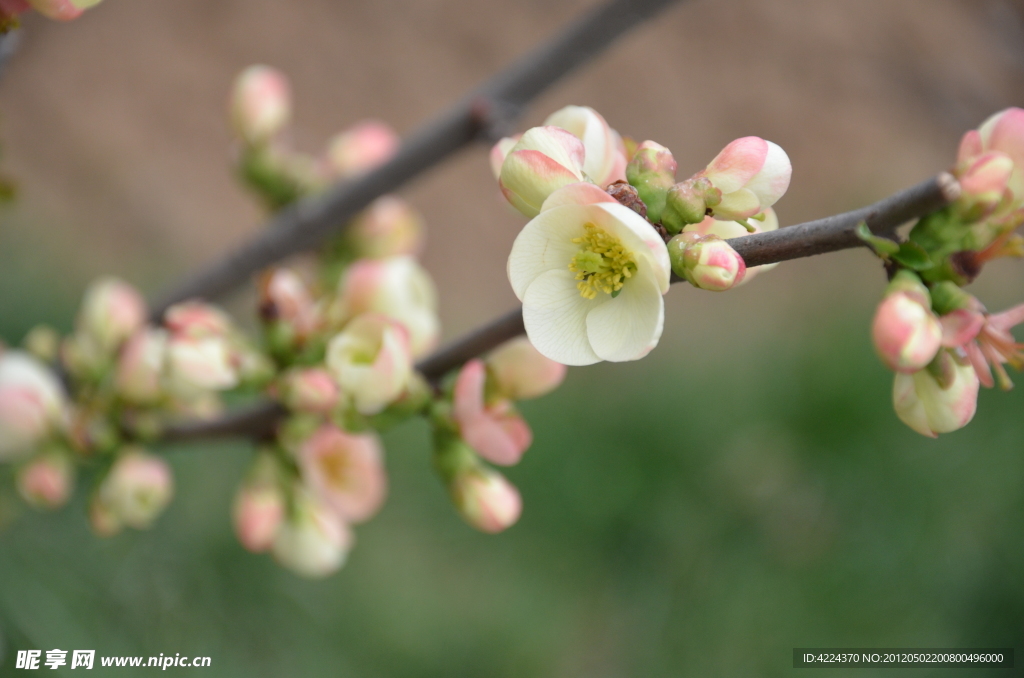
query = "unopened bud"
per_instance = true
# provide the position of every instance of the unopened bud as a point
(939, 398)
(43, 342)
(486, 499)
(140, 367)
(258, 511)
(361, 148)
(260, 104)
(687, 203)
(653, 172)
(138, 488)
(371, 361)
(32, 403)
(521, 372)
(111, 312)
(313, 542)
(311, 390)
(706, 261)
(389, 227)
(906, 333)
(983, 183)
(47, 480)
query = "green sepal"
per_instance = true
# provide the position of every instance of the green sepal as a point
(883, 247)
(913, 256)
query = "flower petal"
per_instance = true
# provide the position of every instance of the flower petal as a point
(628, 326)
(637, 235)
(582, 193)
(737, 163)
(545, 244)
(772, 181)
(741, 204)
(555, 316)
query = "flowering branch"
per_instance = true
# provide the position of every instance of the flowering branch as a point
(830, 234)
(484, 114)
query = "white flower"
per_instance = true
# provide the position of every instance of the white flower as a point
(313, 542)
(371, 361)
(591, 276)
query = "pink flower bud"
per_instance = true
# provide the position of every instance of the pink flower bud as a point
(495, 430)
(346, 471)
(286, 298)
(389, 227)
(752, 174)
(138, 488)
(12, 8)
(906, 333)
(258, 512)
(260, 104)
(544, 160)
(196, 320)
(521, 372)
(706, 261)
(32, 403)
(486, 500)
(361, 148)
(371, 361)
(313, 542)
(312, 391)
(111, 312)
(47, 481)
(397, 287)
(604, 159)
(727, 230)
(938, 399)
(140, 367)
(500, 151)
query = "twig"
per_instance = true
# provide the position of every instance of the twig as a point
(481, 115)
(802, 240)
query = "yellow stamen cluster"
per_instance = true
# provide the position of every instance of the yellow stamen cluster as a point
(602, 265)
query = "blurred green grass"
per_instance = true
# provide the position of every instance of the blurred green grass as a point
(683, 517)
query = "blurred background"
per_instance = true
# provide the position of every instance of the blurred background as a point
(744, 490)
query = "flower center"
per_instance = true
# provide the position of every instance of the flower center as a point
(602, 265)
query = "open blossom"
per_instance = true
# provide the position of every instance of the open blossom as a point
(32, 403)
(389, 227)
(706, 261)
(258, 512)
(345, 471)
(485, 499)
(47, 481)
(313, 542)
(137, 489)
(494, 429)
(726, 230)
(906, 332)
(543, 160)
(939, 398)
(521, 372)
(397, 287)
(371, 361)
(111, 312)
(604, 157)
(751, 174)
(361, 148)
(591, 278)
(987, 340)
(260, 104)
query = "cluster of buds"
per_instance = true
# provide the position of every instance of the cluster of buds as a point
(939, 339)
(610, 223)
(122, 381)
(260, 113)
(479, 422)
(60, 10)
